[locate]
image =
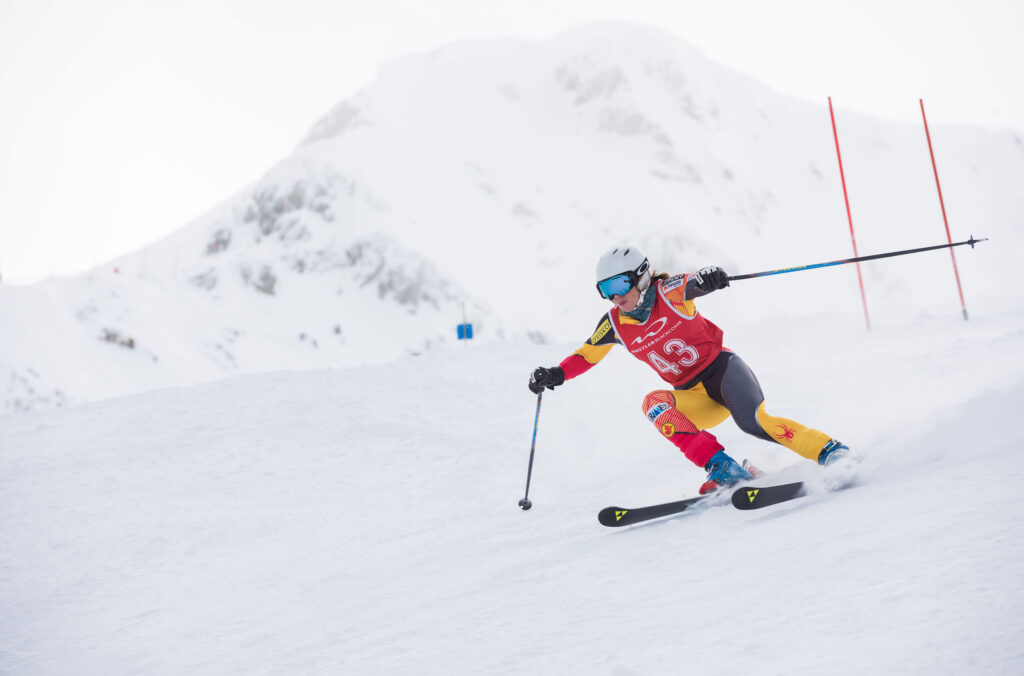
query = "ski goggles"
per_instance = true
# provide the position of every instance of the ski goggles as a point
(620, 284)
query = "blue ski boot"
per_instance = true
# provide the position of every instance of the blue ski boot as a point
(722, 471)
(833, 451)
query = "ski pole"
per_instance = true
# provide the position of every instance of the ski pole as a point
(844, 261)
(525, 502)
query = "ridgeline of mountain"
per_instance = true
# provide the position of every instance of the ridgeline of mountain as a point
(483, 180)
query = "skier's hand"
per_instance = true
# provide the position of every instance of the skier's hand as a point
(546, 377)
(711, 278)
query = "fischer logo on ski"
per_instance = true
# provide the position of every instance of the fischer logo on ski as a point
(765, 496)
(615, 517)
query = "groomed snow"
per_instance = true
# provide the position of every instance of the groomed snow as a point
(364, 521)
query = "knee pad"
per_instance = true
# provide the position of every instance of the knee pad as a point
(658, 402)
(660, 409)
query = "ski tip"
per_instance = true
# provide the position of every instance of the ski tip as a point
(612, 516)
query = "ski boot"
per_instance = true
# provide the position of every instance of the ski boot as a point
(723, 471)
(833, 451)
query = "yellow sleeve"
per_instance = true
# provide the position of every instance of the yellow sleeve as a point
(600, 343)
(592, 351)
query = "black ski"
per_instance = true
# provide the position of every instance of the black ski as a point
(753, 497)
(623, 516)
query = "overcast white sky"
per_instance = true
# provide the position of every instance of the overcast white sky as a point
(121, 120)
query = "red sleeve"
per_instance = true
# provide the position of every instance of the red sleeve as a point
(575, 365)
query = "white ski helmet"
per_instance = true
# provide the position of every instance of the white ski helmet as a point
(620, 269)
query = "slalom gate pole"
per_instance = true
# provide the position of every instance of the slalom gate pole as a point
(949, 238)
(858, 259)
(849, 217)
(525, 502)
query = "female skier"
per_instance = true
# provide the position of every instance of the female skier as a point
(656, 320)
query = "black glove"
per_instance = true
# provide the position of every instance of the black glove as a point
(711, 278)
(549, 378)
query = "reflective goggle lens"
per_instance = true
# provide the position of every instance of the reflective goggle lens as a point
(615, 286)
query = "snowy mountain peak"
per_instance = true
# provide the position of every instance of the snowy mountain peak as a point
(481, 181)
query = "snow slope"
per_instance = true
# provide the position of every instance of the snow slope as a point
(364, 520)
(283, 464)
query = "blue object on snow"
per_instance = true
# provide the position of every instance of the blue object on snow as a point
(465, 331)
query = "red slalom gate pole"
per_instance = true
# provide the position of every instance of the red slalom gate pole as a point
(942, 204)
(846, 197)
